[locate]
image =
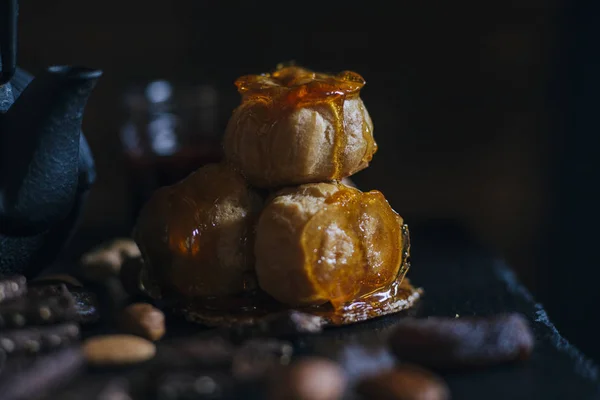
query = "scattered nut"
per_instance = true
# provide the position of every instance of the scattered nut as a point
(311, 378)
(449, 343)
(99, 264)
(405, 382)
(118, 350)
(142, 319)
(126, 247)
(106, 260)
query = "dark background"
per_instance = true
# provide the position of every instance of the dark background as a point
(483, 110)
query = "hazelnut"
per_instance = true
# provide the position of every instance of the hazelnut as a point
(405, 382)
(142, 319)
(311, 378)
(106, 260)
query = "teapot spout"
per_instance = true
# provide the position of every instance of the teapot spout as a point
(39, 149)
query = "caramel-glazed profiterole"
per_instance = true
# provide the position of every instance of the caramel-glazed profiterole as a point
(318, 245)
(296, 126)
(196, 237)
(328, 242)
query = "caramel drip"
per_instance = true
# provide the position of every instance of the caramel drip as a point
(297, 84)
(353, 246)
(368, 138)
(339, 139)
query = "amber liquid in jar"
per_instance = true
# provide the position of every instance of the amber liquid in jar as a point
(169, 133)
(147, 173)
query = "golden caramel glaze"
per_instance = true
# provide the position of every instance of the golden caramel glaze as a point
(196, 237)
(297, 126)
(251, 310)
(328, 242)
(299, 86)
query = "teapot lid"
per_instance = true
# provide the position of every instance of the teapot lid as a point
(8, 39)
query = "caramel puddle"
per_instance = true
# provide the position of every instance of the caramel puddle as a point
(251, 308)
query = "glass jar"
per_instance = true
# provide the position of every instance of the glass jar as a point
(168, 133)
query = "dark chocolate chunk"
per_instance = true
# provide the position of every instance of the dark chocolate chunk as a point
(405, 382)
(449, 343)
(86, 306)
(199, 384)
(12, 288)
(96, 387)
(144, 320)
(311, 378)
(56, 279)
(29, 377)
(37, 339)
(197, 352)
(44, 291)
(253, 359)
(42, 305)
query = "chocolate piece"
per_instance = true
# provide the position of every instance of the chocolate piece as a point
(86, 306)
(312, 378)
(34, 340)
(118, 350)
(106, 260)
(12, 288)
(254, 358)
(29, 377)
(144, 320)
(449, 343)
(406, 382)
(96, 388)
(56, 279)
(42, 305)
(43, 291)
(201, 384)
(198, 352)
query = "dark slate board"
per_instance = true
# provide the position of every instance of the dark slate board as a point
(458, 278)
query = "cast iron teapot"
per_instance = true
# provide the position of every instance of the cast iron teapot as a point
(46, 167)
